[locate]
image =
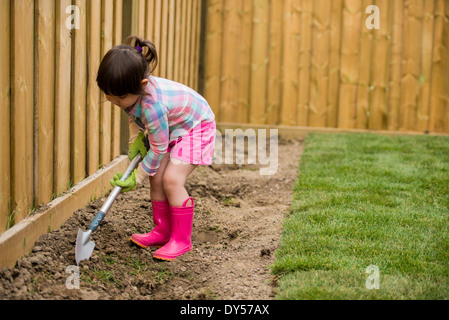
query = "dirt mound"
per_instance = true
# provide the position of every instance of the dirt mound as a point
(237, 227)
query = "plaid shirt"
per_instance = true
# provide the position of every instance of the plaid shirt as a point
(171, 111)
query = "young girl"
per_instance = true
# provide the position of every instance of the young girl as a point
(180, 128)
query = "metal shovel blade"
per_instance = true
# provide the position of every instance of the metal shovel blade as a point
(84, 246)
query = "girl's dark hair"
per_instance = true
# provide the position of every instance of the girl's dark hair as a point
(125, 66)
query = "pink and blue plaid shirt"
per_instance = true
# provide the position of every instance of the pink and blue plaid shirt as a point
(171, 111)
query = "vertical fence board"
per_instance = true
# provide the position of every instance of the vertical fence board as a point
(198, 49)
(171, 39)
(45, 81)
(140, 17)
(395, 66)
(22, 111)
(426, 66)
(164, 38)
(438, 94)
(116, 111)
(157, 33)
(177, 41)
(319, 64)
(349, 63)
(106, 106)
(78, 112)
(290, 84)
(412, 63)
(230, 72)
(183, 44)
(365, 67)
(213, 55)
(259, 62)
(193, 49)
(93, 92)
(304, 70)
(334, 63)
(188, 44)
(446, 60)
(380, 69)
(244, 61)
(62, 100)
(5, 136)
(274, 62)
(149, 17)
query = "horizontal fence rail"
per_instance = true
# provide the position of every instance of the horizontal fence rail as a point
(361, 64)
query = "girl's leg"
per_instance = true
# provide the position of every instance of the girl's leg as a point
(157, 192)
(175, 176)
(181, 213)
(160, 235)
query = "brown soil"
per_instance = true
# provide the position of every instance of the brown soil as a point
(237, 228)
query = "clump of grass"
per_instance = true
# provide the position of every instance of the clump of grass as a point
(162, 275)
(367, 199)
(230, 202)
(136, 265)
(106, 277)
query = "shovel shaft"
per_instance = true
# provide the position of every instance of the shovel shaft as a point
(113, 195)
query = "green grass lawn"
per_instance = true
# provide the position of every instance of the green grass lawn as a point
(362, 200)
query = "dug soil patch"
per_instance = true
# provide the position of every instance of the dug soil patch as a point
(237, 228)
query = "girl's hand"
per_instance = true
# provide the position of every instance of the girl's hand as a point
(138, 146)
(127, 185)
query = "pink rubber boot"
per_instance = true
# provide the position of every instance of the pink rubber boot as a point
(160, 235)
(181, 235)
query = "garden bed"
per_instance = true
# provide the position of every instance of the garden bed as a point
(237, 227)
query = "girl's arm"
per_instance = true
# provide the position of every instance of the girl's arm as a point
(134, 131)
(158, 137)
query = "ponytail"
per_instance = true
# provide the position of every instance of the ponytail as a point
(147, 48)
(124, 67)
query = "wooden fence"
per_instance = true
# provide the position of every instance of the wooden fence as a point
(273, 62)
(56, 127)
(175, 27)
(316, 63)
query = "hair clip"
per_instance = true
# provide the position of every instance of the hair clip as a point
(139, 48)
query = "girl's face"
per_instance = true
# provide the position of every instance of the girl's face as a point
(126, 100)
(123, 101)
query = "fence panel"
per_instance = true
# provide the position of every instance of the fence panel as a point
(56, 126)
(356, 64)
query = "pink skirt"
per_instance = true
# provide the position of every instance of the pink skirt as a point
(197, 147)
